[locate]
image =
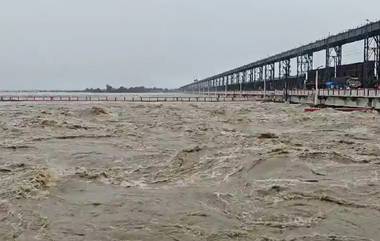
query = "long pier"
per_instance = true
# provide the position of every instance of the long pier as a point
(357, 98)
(352, 98)
(274, 73)
(82, 98)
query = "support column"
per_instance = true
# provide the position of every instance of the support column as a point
(333, 59)
(371, 53)
(338, 55)
(216, 85)
(284, 68)
(225, 78)
(241, 79)
(377, 60)
(260, 75)
(250, 84)
(304, 65)
(245, 79)
(255, 74)
(270, 72)
(236, 81)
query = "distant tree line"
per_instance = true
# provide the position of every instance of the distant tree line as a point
(122, 89)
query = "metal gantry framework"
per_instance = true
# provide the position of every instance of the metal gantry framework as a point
(334, 56)
(269, 71)
(284, 69)
(372, 53)
(262, 74)
(304, 64)
(333, 59)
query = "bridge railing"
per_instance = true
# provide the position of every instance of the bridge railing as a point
(81, 98)
(207, 97)
(351, 92)
(374, 93)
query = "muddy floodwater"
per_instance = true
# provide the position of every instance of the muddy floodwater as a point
(188, 171)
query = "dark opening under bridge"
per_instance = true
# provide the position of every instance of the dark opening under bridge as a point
(261, 75)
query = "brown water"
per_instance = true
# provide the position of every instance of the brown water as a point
(181, 171)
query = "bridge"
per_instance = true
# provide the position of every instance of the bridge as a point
(274, 73)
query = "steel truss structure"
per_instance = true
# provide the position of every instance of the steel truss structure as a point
(262, 73)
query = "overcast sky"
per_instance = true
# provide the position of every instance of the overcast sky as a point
(74, 44)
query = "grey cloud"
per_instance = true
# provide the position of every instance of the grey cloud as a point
(73, 44)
